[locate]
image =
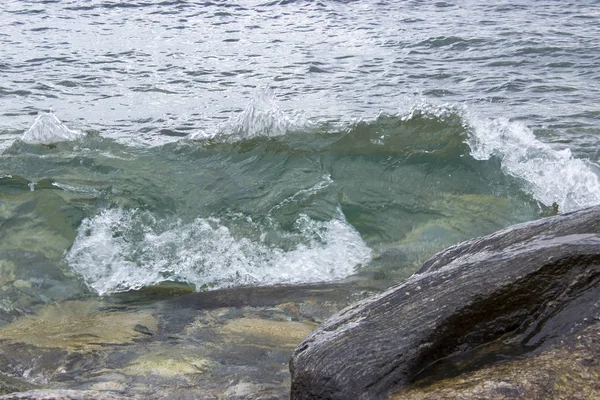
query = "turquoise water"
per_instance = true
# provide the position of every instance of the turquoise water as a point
(226, 144)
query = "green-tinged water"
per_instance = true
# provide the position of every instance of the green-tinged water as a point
(309, 206)
(150, 149)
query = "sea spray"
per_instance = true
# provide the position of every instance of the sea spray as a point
(551, 176)
(261, 117)
(48, 129)
(396, 178)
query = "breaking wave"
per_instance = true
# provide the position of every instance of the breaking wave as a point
(553, 177)
(380, 173)
(121, 250)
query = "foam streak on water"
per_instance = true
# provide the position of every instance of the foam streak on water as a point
(121, 250)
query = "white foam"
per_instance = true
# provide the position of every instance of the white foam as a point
(549, 175)
(47, 129)
(120, 250)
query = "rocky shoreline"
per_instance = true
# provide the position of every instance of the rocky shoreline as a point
(515, 314)
(508, 294)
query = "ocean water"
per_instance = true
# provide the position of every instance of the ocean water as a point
(234, 143)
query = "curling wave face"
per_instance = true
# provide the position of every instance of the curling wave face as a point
(550, 176)
(271, 198)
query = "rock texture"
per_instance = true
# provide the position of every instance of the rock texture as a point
(511, 292)
(570, 370)
(10, 385)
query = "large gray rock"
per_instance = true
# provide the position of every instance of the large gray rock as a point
(568, 370)
(516, 290)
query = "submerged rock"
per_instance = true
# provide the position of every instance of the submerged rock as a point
(9, 385)
(63, 395)
(228, 344)
(511, 292)
(38, 224)
(77, 326)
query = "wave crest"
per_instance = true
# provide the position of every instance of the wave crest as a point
(550, 176)
(262, 117)
(48, 129)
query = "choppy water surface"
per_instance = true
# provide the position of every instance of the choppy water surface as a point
(249, 143)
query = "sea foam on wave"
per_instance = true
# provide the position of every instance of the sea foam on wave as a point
(551, 176)
(48, 129)
(120, 250)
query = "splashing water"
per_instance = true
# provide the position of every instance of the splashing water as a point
(48, 129)
(121, 250)
(261, 117)
(551, 176)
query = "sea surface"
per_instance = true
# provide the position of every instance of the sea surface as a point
(248, 143)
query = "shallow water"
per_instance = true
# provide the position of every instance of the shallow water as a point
(254, 143)
(250, 143)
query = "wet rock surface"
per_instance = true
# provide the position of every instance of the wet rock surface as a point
(515, 292)
(568, 370)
